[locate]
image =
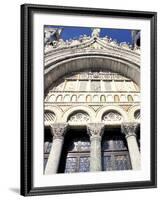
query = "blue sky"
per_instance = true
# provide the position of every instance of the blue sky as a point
(121, 35)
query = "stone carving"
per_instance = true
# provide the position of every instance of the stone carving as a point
(55, 49)
(52, 34)
(58, 130)
(95, 129)
(96, 32)
(112, 116)
(129, 128)
(79, 117)
(49, 117)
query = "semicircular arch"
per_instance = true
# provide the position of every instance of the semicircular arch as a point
(106, 109)
(81, 63)
(132, 111)
(54, 109)
(75, 109)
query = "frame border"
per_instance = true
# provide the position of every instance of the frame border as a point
(26, 132)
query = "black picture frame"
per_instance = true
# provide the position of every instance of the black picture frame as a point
(27, 188)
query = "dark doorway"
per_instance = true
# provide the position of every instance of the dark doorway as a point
(76, 152)
(115, 155)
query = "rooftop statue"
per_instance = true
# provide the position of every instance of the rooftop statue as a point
(96, 32)
(52, 34)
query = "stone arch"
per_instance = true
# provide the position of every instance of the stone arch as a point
(49, 117)
(85, 109)
(88, 98)
(81, 98)
(106, 109)
(116, 98)
(67, 98)
(74, 98)
(54, 109)
(130, 98)
(78, 117)
(59, 98)
(95, 98)
(112, 116)
(131, 112)
(51, 98)
(65, 66)
(103, 98)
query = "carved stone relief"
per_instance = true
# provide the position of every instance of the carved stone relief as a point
(79, 117)
(112, 116)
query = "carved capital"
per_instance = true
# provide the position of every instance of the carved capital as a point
(129, 128)
(58, 130)
(95, 129)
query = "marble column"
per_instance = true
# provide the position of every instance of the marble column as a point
(95, 130)
(129, 129)
(58, 130)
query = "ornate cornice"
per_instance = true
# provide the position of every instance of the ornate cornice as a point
(90, 45)
(58, 130)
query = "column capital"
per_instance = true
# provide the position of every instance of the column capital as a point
(129, 128)
(95, 129)
(58, 130)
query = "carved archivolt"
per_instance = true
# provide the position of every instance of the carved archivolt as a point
(79, 117)
(112, 116)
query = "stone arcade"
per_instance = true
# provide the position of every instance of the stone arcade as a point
(91, 105)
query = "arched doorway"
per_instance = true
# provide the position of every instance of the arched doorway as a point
(76, 151)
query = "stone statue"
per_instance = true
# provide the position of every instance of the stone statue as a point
(96, 32)
(52, 34)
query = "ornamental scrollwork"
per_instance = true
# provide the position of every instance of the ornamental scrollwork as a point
(79, 117)
(112, 116)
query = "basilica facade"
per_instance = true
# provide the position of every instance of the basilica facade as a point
(91, 104)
